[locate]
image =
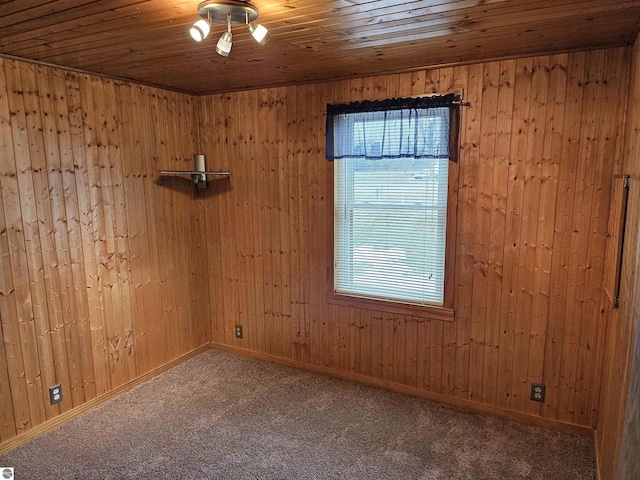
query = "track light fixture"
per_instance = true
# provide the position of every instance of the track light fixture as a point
(227, 12)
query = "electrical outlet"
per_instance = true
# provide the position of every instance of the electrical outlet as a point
(537, 392)
(55, 394)
(238, 331)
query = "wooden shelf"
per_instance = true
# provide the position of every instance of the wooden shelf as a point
(199, 178)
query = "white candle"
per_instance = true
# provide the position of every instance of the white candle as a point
(200, 166)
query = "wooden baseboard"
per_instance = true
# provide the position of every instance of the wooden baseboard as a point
(80, 409)
(397, 387)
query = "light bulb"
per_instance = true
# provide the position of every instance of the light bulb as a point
(224, 44)
(259, 33)
(200, 30)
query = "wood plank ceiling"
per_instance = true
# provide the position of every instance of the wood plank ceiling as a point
(147, 40)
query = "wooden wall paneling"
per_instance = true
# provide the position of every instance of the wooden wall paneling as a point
(466, 234)
(461, 293)
(46, 303)
(185, 144)
(310, 328)
(25, 250)
(162, 201)
(562, 233)
(7, 414)
(557, 83)
(120, 337)
(238, 272)
(226, 225)
(168, 200)
(322, 317)
(246, 160)
(105, 235)
(508, 356)
(211, 144)
(56, 255)
(446, 83)
(479, 347)
(282, 132)
(94, 239)
(325, 205)
(296, 96)
(615, 404)
(502, 150)
(247, 180)
(618, 81)
(177, 226)
(196, 330)
(212, 212)
(153, 355)
(203, 304)
(289, 228)
(68, 223)
(274, 220)
(116, 136)
(304, 212)
(41, 257)
(90, 241)
(316, 104)
(523, 147)
(601, 396)
(526, 329)
(388, 327)
(590, 359)
(344, 328)
(265, 119)
(132, 181)
(14, 386)
(579, 238)
(85, 266)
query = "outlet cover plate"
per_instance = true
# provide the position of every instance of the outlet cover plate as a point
(537, 392)
(238, 331)
(55, 394)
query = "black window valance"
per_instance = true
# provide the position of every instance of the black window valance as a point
(437, 101)
(394, 128)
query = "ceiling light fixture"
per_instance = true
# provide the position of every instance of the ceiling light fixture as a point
(227, 12)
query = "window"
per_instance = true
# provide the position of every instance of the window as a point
(393, 205)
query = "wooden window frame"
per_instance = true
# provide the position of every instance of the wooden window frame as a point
(445, 312)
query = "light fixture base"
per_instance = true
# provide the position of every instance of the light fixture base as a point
(217, 11)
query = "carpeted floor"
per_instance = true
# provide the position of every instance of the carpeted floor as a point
(223, 416)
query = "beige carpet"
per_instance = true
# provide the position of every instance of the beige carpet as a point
(222, 416)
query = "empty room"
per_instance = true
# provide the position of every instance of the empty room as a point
(294, 239)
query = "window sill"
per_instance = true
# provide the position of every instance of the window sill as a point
(413, 309)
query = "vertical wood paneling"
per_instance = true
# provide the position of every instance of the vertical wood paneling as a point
(529, 246)
(108, 271)
(97, 257)
(618, 404)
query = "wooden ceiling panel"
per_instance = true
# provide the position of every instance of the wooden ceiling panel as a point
(147, 40)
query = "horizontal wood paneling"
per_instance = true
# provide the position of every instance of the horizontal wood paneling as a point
(148, 41)
(619, 410)
(101, 278)
(538, 147)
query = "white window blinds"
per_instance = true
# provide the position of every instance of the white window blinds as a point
(391, 180)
